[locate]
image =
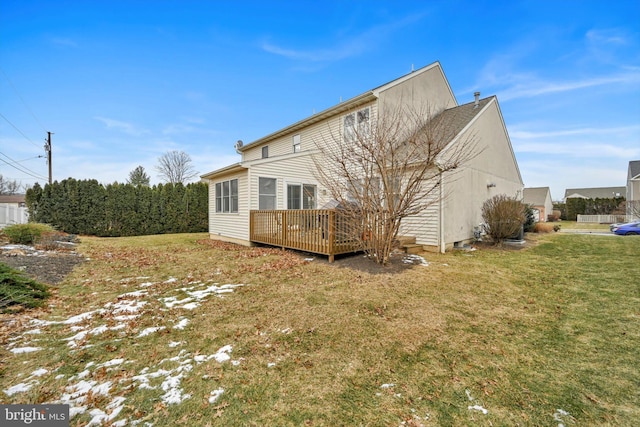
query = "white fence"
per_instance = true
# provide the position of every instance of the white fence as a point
(605, 219)
(12, 215)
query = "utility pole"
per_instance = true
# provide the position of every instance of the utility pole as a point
(47, 148)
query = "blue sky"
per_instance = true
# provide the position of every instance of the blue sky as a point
(119, 83)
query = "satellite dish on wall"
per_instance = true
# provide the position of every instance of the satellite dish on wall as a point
(238, 145)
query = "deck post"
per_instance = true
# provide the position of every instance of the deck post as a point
(285, 226)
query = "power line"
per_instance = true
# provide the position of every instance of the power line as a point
(21, 168)
(19, 131)
(22, 99)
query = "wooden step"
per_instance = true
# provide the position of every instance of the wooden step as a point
(406, 240)
(412, 248)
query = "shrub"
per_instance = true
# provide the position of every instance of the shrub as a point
(530, 219)
(18, 292)
(26, 234)
(543, 227)
(503, 217)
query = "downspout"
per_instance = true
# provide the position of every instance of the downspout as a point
(441, 213)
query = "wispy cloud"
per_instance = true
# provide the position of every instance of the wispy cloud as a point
(581, 151)
(535, 87)
(606, 36)
(345, 48)
(64, 42)
(121, 126)
(587, 142)
(525, 134)
(597, 60)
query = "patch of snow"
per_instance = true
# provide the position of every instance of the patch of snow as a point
(147, 284)
(39, 372)
(100, 417)
(215, 395)
(387, 385)
(149, 331)
(181, 324)
(174, 393)
(271, 365)
(25, 350)
(135, 294)
(415, 259)
(170, 280)
(19, 388)
(171, 302)
(557, 416)
(173, 344)
(191, 306)
(478, 408)
(110, 363)
(475, 407)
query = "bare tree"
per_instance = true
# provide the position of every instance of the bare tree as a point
(8, 186)
(383, 171)
(175, 166)
(138, 177)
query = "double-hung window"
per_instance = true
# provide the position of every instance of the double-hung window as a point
(227, 196)
(266, 193)
(296, 143)
(265, 152)
(301, 196)
(357, 124)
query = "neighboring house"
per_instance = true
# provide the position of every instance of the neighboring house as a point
(540, 200)
(595, 193)
(633, 188)
(13, 209)
(277, 171)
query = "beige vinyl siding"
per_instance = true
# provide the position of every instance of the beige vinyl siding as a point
(322, 132)
(233, 226)
(293, 169)
(494, 165)
(424, 226)
(429, 85)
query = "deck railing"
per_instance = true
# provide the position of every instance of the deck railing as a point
(319, 231)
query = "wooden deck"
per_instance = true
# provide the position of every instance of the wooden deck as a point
(319, 231)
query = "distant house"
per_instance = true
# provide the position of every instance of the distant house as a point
(12, 209)
(276, 172)
(595, 193)
(633, 188)
(540, 200)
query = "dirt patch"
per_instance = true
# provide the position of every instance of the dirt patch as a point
(49, 267)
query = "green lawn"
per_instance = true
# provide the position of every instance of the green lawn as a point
(546, 335)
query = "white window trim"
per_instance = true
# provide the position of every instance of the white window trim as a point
(301, 185)
(220, 195)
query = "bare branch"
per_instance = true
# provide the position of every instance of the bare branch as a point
(384, 169)
(175, 167)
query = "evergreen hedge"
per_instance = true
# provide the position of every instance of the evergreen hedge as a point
(577, 206)
(90, 208)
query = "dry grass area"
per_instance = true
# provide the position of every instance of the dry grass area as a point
(544, 335)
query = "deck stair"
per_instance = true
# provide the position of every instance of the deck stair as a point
(408, 245)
